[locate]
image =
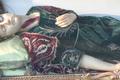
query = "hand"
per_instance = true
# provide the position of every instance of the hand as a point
(65, 19)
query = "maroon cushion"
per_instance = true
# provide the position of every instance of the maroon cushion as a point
(41, 48)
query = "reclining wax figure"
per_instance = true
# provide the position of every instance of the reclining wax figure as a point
(82, 41)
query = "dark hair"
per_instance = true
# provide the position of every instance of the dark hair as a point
(2, 8)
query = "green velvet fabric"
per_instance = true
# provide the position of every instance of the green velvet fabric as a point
(93, 35)
(88, 33)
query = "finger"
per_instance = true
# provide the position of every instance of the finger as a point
(62, 17)
(61, 21)
(67, 23)
(69, 16)
(68, 19)
(63, 24)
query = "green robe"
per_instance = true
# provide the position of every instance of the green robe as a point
(93, 35)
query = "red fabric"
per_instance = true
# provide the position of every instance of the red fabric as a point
(55, 10)
(30, 21)
(40, 47)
